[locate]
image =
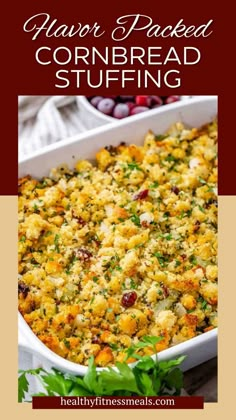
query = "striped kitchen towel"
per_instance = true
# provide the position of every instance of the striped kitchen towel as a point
(44, 120)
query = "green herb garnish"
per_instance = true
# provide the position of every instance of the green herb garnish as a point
(201, 209)
(149, 377)
(134, 165)
(161, 259)
(56, 239)
(135, 219)
(160, 137)
(193, 259)
(155, 184)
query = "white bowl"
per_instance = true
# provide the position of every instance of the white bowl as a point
(196, 112)
(99, 117)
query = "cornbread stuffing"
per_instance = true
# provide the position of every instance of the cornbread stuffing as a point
(127, 248)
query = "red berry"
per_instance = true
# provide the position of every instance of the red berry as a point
(175, 189)
(165, 291)
(143, 100)
(141, 195)
(156, 101)
(171, 99)
(128, 299)
(106, 106)
(95, 100)
(95, 340)
(131, 105)
(120, 111)
(138, 110)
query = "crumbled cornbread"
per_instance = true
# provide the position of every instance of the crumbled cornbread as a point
(127, 248)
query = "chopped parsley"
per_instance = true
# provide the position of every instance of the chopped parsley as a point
(202, 181)
(135, 219)
(56, 239)
(161, 259)
(160, 137)
(134, 165)
(167, 236)
(48, 233)
(133, 285)
(171, 158)
(193, 259)
(201, 209)
(203, 302)
(155, 184)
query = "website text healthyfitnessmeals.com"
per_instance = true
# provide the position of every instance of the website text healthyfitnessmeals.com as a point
(104, 402)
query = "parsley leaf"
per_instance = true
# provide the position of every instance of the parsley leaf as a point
(134, 165)
(57, 384)
(160, 137)
(56, 239)
(135, 219)
(112, 380)
(148, 377)
(161, 259)
(193, 259)
(23, 386)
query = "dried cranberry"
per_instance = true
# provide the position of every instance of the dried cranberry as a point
(32, 306)
(128, 299)
(79, 219)
(23, 288)
(175, 189)
(141, 195)
(196, 226)
(95, 339)
(83, 254)
(165, 291)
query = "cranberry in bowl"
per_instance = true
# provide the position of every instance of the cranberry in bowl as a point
(108, 108)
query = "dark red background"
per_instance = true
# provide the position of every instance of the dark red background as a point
(21, 75)
(180, 402)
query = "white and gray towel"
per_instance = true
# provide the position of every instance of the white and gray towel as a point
(44, 120)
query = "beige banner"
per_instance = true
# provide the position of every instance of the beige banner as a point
(11, 408)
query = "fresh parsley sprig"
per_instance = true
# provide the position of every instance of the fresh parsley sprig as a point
(148, 377)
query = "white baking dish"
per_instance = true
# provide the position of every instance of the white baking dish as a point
(196, 112)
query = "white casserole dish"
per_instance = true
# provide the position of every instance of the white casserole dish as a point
(196, 112)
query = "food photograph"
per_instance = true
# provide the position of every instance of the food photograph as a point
(117, 246)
